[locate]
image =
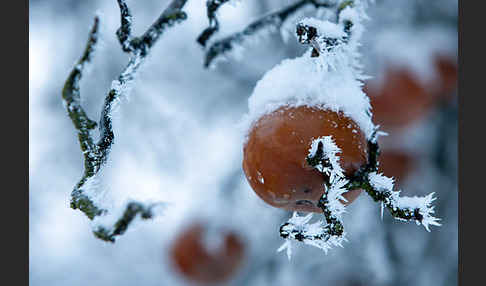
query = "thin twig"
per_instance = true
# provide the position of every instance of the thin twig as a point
(95, 155)
(274, 19)
(212, 6)
(389, 198)
(121, 225)
(125, 30)
(83, 125)
(171, 15)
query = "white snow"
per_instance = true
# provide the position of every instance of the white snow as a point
(381, 182)
(324, 28)
(424, 204)
(304, 81)
(331, 81)
(334, 194)
(330, 151)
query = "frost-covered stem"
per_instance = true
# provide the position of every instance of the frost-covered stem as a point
(320, 161)
(106, 128)
(389, 198)
(308, 32)
(124, 32)
(95, 155)
(71, 94)
(212, 6)
(385, 197)
(287, 230)
(334, 225)
(323, 157)
(121, 225)
(274, 19)
(83, 125)
(170, 16)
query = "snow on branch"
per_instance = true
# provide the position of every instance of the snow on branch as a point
(124, 32)
(326, 36)
(269, 22)
(325, 234)
(96, 154)
(380, 188)
(322, 234)
(418, 209)
(121, 225)
(315, 234)
(170, 16)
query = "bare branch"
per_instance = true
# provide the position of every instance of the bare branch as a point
(71, 94)
(83, 125)
(121, 225)
(212, 7)
(275, 19)
(95, 155)
(125, 30)
(170, 16)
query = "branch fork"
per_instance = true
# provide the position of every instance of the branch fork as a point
(322, 156)
(96, 154)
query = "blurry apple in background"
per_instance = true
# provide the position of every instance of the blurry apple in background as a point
(203, 261)
(402, 99)
(448, 72)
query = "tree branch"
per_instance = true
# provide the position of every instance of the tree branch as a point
(121, 225)
(380, 188)
(170, 16)
(212, 6)
(124, 32)
(322, 157)
(95, 155)
(275, 19)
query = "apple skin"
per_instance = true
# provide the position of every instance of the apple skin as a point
(274, 159)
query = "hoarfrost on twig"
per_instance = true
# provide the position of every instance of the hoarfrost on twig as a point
(96, 154)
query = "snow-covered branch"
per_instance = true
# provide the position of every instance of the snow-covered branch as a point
(316, 234)
(170, 16)
(324, 36)
(322, 234)
(83, 125)
(380, 188)
(96, 154)
(121, 225)
(271, 21)
(125, 30)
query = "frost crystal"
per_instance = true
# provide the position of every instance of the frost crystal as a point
(330, 81)
(330, 153)
(321, 233)
(324, 28)
(381, 182)
(314, 234)
(415, 208)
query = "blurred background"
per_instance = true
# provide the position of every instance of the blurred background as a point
(177, 141)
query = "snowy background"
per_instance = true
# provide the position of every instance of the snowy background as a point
(176, 141)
